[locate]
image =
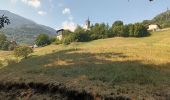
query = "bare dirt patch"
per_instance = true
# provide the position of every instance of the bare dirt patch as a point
(40, 91)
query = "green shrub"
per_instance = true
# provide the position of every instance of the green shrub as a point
(52, 39)
(140, 30)
(5, 44)
(66, 41)
(11, 47)
(57, 42)
(23, 51)
(3, 37)
(43, 40)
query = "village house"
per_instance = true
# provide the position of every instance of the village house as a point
(61, 31)
(153, 27)
(60, 34)
(34, 46)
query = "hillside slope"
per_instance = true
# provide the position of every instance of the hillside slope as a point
(117, 67)
(23, 30)
(163, 19)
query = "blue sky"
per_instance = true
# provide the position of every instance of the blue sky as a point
(68, 13)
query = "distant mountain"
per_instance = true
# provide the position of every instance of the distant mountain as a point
(23, 30)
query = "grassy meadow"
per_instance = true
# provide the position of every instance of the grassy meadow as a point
(6, 57)
(140, 64)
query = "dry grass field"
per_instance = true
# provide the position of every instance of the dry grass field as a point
(138, 68)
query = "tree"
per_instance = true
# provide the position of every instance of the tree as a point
(52, 39)
(125, 31)
(6, 44)
(43, 40)
(68, 37)
(2, 37)
(117, 23)
(118, 28)
(131, 30)
(23, 51)
(147, 22)
(140, 30)
(81, 35)
(4, 20)
(99, 31)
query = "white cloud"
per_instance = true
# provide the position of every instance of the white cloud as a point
(66, 11)
(33, 3)
(42, 13)
(69, 25)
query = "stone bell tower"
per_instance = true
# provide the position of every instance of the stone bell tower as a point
(87, 24)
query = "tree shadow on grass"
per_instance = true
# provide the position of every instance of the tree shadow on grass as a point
(96, 66)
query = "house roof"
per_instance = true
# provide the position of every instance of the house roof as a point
(156, 24)
(59, 30)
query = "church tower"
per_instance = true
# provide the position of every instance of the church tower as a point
(87, 24)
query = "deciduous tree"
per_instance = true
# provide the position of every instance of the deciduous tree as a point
(43, 40)
(4, 20)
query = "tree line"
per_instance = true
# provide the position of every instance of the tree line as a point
(102, 31)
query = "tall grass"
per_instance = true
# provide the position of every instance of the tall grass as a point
(115, 60)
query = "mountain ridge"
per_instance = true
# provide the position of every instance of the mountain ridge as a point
(23, 30)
